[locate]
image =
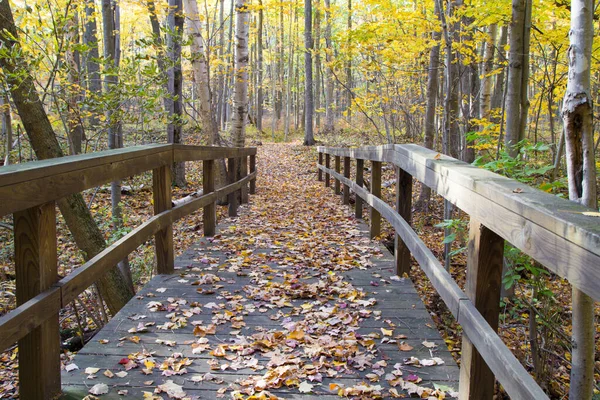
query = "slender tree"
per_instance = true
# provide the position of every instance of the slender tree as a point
(113, 286)
(581, 169)
(240, 96)
(309, 138)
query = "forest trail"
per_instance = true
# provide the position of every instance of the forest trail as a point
(291, 299)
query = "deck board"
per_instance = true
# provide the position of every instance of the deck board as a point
(398, 307)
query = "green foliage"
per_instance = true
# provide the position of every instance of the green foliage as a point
(458, 229)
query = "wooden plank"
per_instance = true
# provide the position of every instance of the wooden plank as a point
(441, 280)
(199, 153)
(358, 205)
(19, 322)
(18, 173)
(530, 234)
(404, 207)
(484, 279)
(252, 170)
(375, 216)
(29, 193)
(337, 189)
(165, 259)
(243, 173)
(507, 369)
(231, 178)
(209, 217)
(327, 165)
(36, 271)
(90, 272)
(346, 194)
(319, 172)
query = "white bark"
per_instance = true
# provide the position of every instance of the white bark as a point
(486, 79)
(240, 95)
(577, 116)
(200, 69)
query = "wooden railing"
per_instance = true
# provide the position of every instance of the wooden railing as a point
(551, 230)
(30, 190)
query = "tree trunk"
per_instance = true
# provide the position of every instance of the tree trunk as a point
(259, 40)
(517, 104)
(329, 113)
(6, 126)
(309, 139)
(349, 83)
(432, 88)
(90, 39)
(318, 64)
(485, 103)
(581, 170)
(175, 84)
(240, 96)
(113, 286)
(74, 120)
(498, 96)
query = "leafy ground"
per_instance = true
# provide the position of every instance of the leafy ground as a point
(286, 167)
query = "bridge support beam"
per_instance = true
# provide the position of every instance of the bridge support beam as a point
(253, 169)
(36, 271)
(319, 172)
(337, 169)
(375, 191)
(232, 198)
(346, 194)
(327, 165)
(358, 205)
(161, 180)
(484, 280)
(403, 206)
(209, 216)
(243, 174)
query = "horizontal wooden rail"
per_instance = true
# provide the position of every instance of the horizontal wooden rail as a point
(514, 377)
(35, 186)
(551, 230)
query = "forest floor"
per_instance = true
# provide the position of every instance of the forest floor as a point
(84, 317)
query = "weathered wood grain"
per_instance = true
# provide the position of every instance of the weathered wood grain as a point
(163, 238)
(209, 216)
(337, 189)
(252, 170)
(327, 165)
(36, 271)
(404, 208)
(484, 278)
(346, 194)
(375, 216)
(231, 178)
(358, 205)
(199, 153)
(320, 173)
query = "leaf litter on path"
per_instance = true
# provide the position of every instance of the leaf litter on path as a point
(285, 262)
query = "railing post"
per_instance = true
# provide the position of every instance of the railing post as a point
(209, 216)
(484, 279)
(403, 206)
(358, 205)
(252, 170)
(327, 165)
(337, 181)
(375, 191)
(243, 174)
(319, 172)
(346, 194)
(232, 197)
(36, 271)
(161, 179)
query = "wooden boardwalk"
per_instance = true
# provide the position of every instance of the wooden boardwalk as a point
(166, 312)
(272, 307)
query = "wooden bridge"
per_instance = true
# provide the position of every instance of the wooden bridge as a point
(245, 313)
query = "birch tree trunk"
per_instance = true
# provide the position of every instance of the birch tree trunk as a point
(581, 170)
(317, 46)
(113, 286)
(329, 113)
(240, 96)
(485, 103)
(309, 138)
(259, 67)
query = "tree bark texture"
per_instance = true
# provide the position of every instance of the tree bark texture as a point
(88, 237)
(240, 96)
(309, 138)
